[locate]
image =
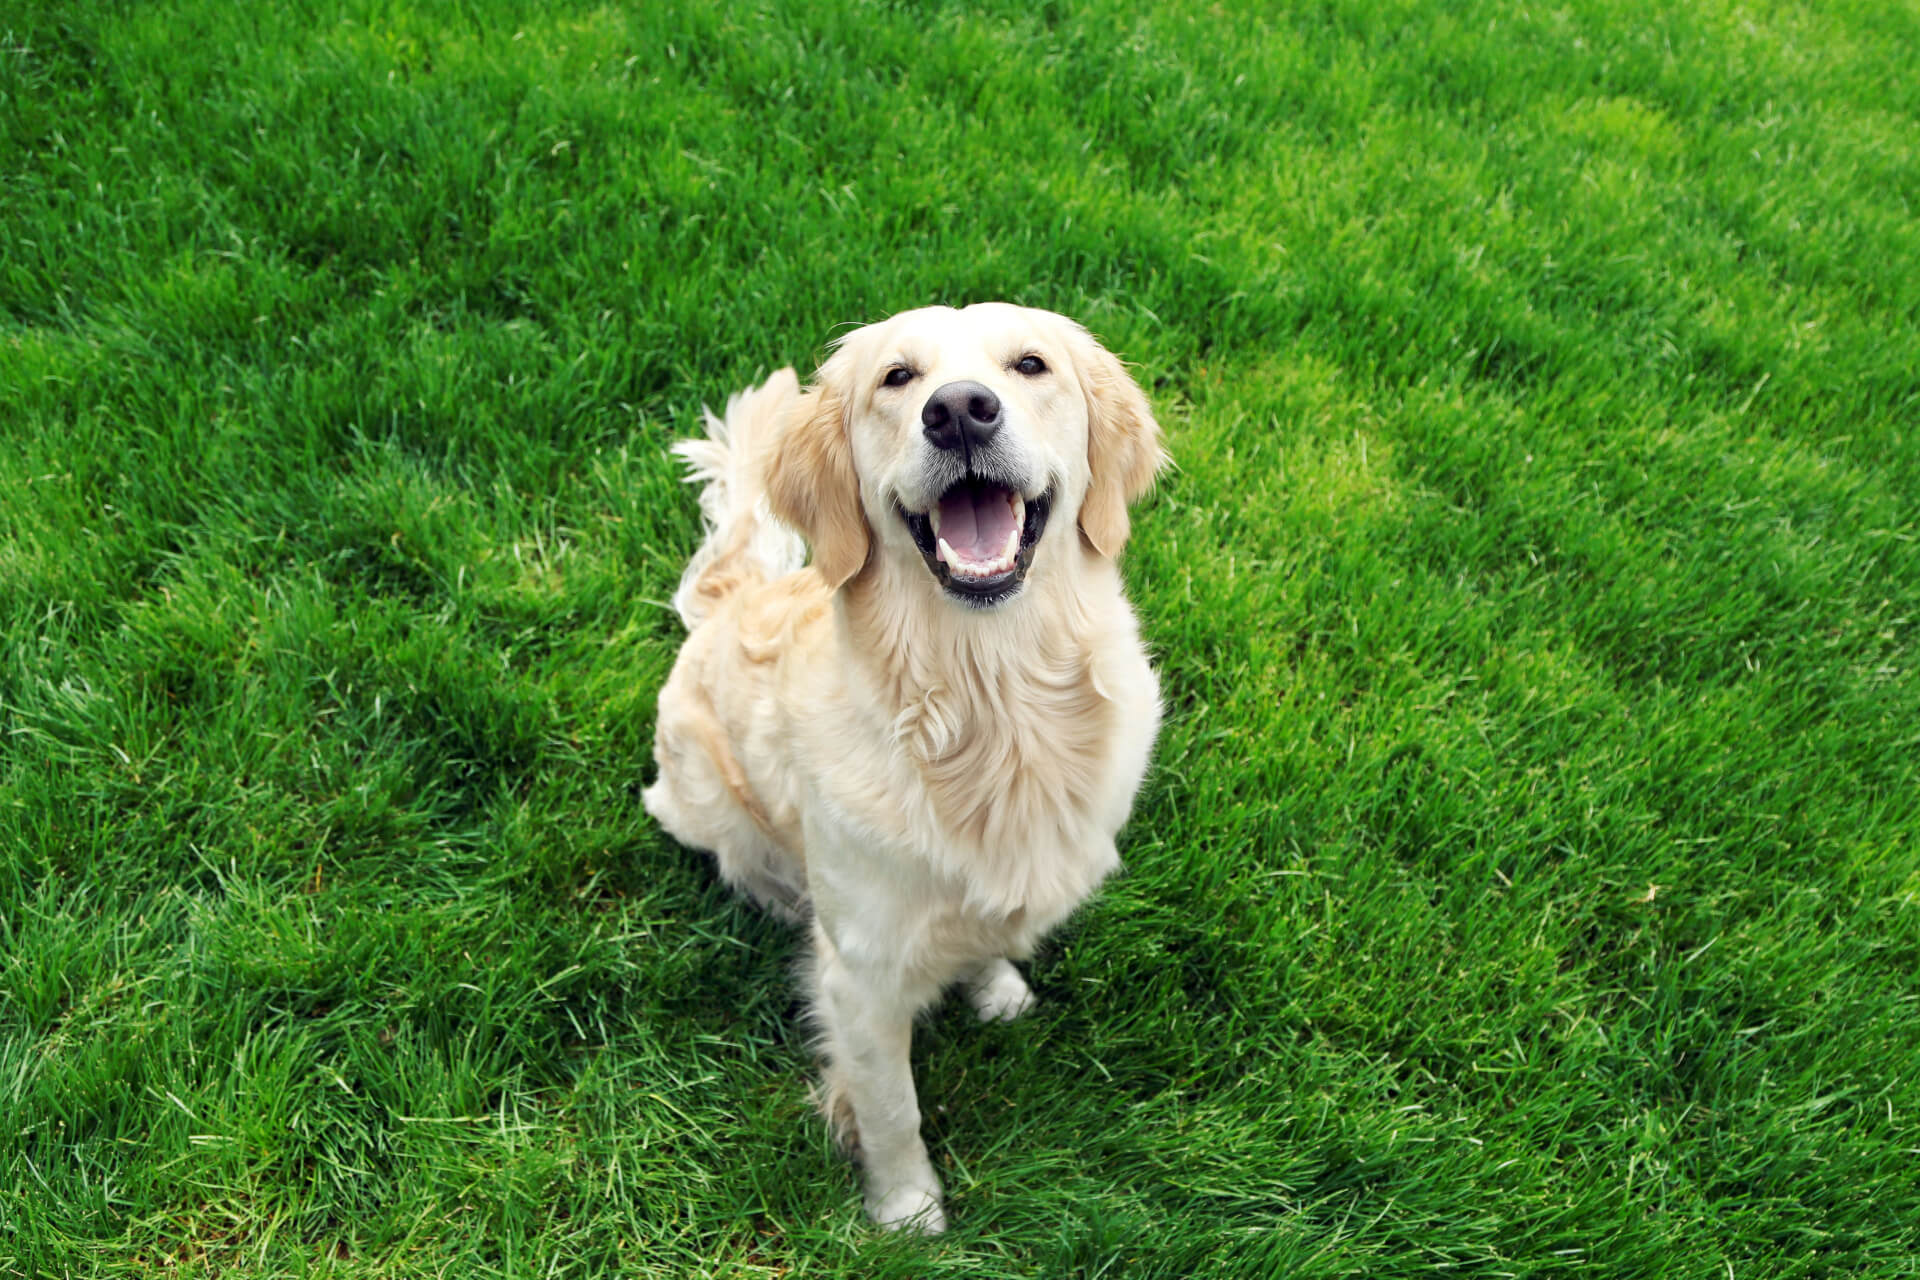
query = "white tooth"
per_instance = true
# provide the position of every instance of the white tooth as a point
(933, 517)
(1013, 547)
(945, 552)
(1019, 505)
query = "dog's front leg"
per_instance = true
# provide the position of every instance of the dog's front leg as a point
(866, 1015)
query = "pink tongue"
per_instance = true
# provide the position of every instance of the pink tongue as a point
(975, 522)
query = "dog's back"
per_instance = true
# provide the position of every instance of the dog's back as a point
(703, 795)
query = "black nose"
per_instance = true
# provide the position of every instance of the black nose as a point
(961, 415)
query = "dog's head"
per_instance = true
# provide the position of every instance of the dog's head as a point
(972, 441)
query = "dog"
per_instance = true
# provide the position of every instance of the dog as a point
(922, 743)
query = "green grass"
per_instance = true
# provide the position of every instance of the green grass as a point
(1527, 884)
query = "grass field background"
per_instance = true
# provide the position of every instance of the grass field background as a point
(1527, 883)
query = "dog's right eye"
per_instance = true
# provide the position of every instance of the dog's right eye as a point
(898, 376)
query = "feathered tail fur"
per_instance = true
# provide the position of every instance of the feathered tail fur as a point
(743, 539)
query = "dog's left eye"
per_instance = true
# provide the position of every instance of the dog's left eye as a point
(898, 376)
(1032, 366)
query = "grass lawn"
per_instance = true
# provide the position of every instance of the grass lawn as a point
(1528, 882)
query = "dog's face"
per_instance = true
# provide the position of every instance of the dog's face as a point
(971, 441)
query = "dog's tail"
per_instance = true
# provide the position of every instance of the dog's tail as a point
(743, 540)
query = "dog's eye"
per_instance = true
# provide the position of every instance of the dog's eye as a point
(898, 376)
(1032, 366)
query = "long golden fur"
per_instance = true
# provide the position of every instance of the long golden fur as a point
(922, 751)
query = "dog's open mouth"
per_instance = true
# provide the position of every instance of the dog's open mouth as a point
(978, 540)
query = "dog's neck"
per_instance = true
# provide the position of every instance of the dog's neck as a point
(917, 639)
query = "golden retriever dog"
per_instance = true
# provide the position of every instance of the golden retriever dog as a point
(922, 743)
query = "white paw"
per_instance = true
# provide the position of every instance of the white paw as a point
(909, 1209)
(1000, 994)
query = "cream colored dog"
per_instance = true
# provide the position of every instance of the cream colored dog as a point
(924, 742)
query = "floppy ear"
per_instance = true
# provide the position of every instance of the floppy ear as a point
(1123, 445)
(811, 482)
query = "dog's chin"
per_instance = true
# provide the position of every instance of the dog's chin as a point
(978, 539)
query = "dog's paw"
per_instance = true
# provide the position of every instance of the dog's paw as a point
(1000, 994)
(909, 1209)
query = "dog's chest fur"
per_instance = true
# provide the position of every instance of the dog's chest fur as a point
(1018, 762)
